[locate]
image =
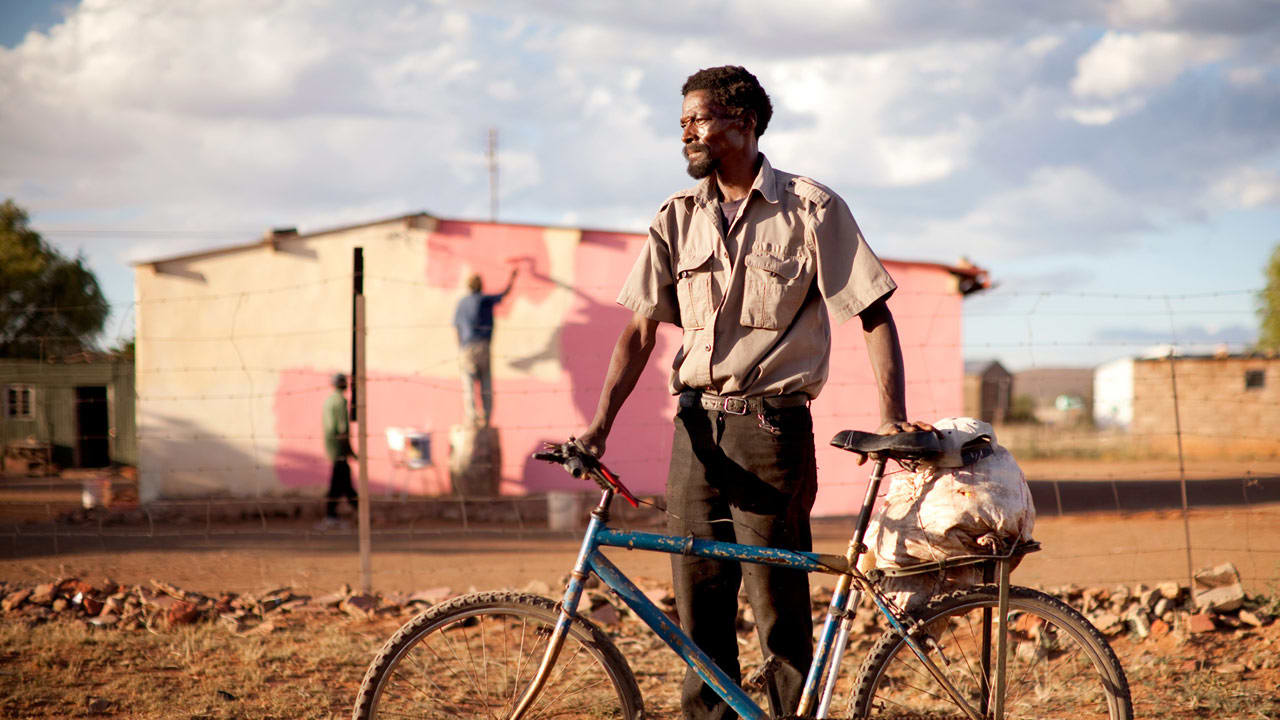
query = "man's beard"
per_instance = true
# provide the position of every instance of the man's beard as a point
(704, 165)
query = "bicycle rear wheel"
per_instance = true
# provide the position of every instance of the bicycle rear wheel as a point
(473, 657)
(1058, 665)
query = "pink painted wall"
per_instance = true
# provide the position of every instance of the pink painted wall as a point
(529, 410)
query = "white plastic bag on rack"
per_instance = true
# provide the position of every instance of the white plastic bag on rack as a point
(937, 512)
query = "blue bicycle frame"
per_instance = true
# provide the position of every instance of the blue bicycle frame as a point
(830, 642)
(591, 559)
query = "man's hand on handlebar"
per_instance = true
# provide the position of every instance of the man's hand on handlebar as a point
(580, 463)
(592, 440)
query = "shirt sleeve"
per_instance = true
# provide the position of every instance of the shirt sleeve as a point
(335, 418)
(850, 276)
(650, 287)
(342, 423)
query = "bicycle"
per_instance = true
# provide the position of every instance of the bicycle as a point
(995, 650)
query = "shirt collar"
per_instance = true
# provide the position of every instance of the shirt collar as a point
(765, 183)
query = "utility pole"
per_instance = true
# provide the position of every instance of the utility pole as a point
(493, 174)
(360, 413)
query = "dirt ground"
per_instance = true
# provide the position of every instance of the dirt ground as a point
(1082, 548)
(1223, 674)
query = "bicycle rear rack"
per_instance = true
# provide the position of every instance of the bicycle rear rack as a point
(958, 561)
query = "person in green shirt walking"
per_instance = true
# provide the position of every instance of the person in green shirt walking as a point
(337, 445)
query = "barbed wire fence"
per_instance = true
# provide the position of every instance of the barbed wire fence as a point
(1198, 429)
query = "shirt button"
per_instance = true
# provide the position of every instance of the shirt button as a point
(707, 348)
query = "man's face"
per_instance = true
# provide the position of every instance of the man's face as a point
(709, 134)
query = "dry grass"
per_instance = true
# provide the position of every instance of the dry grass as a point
(311, 666)
(68, 669)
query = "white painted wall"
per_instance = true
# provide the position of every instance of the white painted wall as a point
(1113, 394)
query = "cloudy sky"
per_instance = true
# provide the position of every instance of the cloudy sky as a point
(1114, 164)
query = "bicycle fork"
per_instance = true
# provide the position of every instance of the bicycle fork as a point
(568, 608)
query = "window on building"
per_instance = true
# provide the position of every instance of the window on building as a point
(1255, 379)
(19, 402)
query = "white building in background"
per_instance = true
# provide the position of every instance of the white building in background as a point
(1113, 394)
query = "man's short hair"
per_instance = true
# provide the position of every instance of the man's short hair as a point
(339, 381)
(734, 89)
(475, 284)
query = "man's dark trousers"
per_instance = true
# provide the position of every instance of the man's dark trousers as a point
(733, 480)
(339, 487)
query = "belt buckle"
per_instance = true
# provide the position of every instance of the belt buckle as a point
(731, 402)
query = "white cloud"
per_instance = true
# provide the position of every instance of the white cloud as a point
(1123, 63)
(1247, 187)
(1103, 114)
(957, 128)
(1064, 209)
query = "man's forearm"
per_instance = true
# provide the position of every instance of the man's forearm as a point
(885, 353)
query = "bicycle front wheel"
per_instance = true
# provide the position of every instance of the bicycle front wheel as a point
(1058, 665)
(474, 656)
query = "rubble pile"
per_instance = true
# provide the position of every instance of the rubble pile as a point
(160, 606)
(1218, 603)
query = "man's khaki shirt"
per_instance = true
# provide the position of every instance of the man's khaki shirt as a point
(755, 322)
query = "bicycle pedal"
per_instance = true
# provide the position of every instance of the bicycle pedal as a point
(760, 676)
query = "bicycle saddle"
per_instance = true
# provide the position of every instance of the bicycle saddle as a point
(919, 445)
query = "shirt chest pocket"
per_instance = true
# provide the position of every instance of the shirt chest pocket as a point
(775, 288)
(693, 289)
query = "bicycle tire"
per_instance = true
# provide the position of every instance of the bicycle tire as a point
(1059, 665)
(475, 655)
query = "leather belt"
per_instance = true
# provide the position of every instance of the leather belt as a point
(741, 405)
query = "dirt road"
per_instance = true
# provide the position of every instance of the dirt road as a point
(1085, 549)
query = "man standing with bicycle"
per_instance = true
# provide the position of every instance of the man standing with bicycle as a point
(749, 262)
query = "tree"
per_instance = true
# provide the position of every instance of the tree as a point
(50, 305)
(1269, 305)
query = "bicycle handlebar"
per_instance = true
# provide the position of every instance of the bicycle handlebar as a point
(583, 465)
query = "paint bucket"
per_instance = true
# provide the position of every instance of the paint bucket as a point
(417, 449)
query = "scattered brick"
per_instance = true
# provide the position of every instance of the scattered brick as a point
(14, 600)
(43, 594)
(1225, 598)
(359, 606)
(1141, 611)
(182, 613)
(105, 620)
(1201, 623)
(1249, 618)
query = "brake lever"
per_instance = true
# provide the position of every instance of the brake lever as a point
(617, 485)
(581, 464)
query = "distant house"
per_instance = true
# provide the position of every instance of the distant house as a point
(1113, 394)
(988, 390)
(1059, 396)
(1225, 403)
(73, 412)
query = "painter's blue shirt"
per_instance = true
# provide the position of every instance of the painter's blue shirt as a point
(474, 317)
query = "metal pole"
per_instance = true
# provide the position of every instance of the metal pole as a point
(493, 174)
(1182, 476)
(360, 413)
(357, 290)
